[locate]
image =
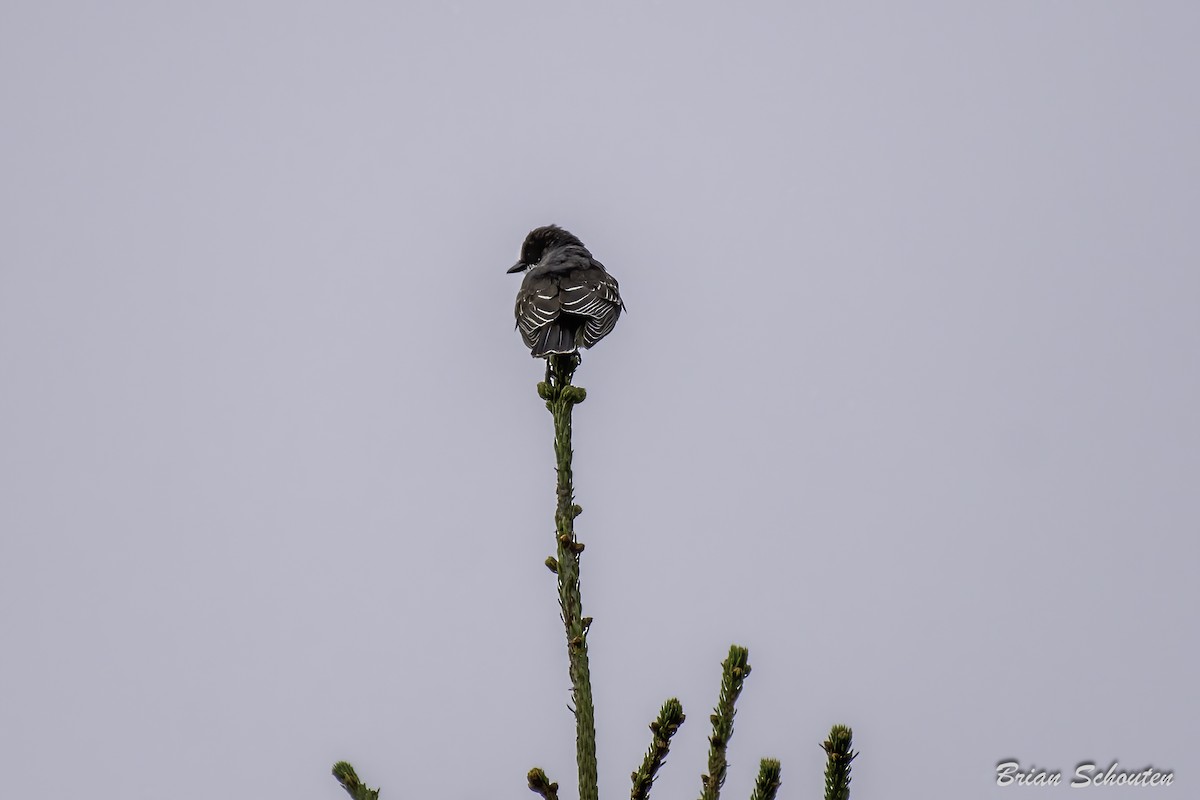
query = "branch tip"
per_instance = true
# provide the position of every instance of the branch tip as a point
(838, 757)
(348, 778)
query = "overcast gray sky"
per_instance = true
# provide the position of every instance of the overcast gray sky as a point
(905, 400)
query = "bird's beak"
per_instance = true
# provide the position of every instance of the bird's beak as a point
(518, 267)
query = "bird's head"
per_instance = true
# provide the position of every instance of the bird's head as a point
(539, 241)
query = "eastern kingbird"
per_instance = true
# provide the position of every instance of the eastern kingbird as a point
(567, 299)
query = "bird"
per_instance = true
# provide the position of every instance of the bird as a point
(567, 299)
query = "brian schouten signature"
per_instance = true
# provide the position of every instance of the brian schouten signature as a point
(1010, 773)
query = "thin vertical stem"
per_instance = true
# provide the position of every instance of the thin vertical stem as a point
(561, 397)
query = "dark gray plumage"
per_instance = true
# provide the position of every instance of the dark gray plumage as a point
(567, 299)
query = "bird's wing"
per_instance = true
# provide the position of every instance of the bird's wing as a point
(538, 304)
(589, 292)
(593, 293)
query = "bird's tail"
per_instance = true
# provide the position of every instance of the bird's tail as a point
(553, 338)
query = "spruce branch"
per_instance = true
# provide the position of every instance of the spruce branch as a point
(669, 719)
(837, 768)
(768, 781)
(538, 782)
(561, 398)
(734, 670)
(348, 778)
